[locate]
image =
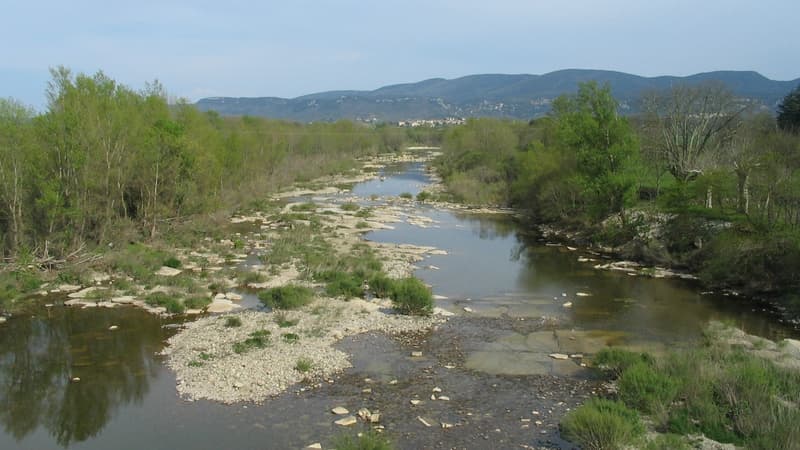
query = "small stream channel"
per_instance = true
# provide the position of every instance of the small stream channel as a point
(491, 359)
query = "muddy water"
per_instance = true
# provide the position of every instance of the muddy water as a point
(491, 362)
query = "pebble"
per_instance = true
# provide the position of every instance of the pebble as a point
(393, 382)
(567, 305)
(436, 390)
(340, 411)
(416, 354)
(76, 379)
(416, 402)
(558, 356)
(467, 309)
(314, 446)
(444, 398)
(447, 425)
(113, 327)
(366, 391)
(424, 422)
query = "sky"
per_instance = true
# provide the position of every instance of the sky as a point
(199, 48)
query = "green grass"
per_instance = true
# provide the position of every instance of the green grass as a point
(285, 322)
(197, 302)
(411, 296)
(172, 262)
(248, 277)
(341, 284)
(406, 195)
(17, 283)
(365, 213)
(304, 207)
(350, 206)
(169, 301)
(423, 196)
(303, 365)
(602, 424)
(370, 440)
(381, 285)
(362, 225)
(286, 297)
(616, 360)
(290, 338)
(233, 322)
(257, 339)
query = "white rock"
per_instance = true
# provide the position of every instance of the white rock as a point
(416, 354)
(576, 355)
(415, 402)
(83, 293)
(347, 421)
(436, 390)
(558, 356)
(393, 382)
(2, 319)
(374, 418)
(233, 296)
(165, 271)
(76, 379)
(340, 411)
(467, 309)
(124, 300)
(424, 422)
(567, 305)
(364, 413)
(444, 398)
(314, 446)
(67, 288)
(583, 294)
(447, 425)
(113, 327)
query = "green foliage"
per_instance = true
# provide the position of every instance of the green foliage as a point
(303, 365)
(789, 111)
(364, 213)
(257, 339)
(350, 206)
(646, 388)
(172, 262)
(286, 297)
(370, 440)
(411, 296)
(341, 284)
(601, 424)
(406, 195)
(283, 321)
(423, 196)
(290, 338)
(233, 321)
(617, 360)
(16, 283)
(305, 207)
(197, 302)
(169, 301)
(381, 285)
(667, 442)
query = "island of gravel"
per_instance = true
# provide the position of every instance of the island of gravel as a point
(297, 345)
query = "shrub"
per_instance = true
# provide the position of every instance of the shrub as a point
(198, 302)
(602, 424)
(342, 284)
(411, 296)
(303, 365)
(667, 442)
(647, 390)
(350, 206)
(304, 207)
(290, 338)
(286, 297)
(172, 262)
(423, 196)
(285, 322)
(233, 322)
(364, 213)
(168, 301)
(257, 339)
(617, 360)
(381, 285)
(406, 195)
(370, 440)
(362, 225)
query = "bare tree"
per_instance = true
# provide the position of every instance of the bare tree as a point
(689, 125)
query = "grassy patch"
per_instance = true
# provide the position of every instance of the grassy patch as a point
(17, 283)
(303, 365)
(365, 213)
(406, 195)
(286, 297)
(284, 322)
(362, 225)
(304, 207)
(169, 301)
(616, 360)
(248, 277)
(290, 338)
(423, 196)
(172, 262)
(341, 284)
(257, 339)
(381, 285)
(197, 302)
(602, 424)
(411, 296)
(233, 322)
(350, 206)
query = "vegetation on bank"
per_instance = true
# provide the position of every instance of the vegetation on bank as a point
(699, 181)
(722, 390)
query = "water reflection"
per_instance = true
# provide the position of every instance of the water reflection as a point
(40, 356)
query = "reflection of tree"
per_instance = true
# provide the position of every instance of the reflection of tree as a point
(489, 226)
(39, 357)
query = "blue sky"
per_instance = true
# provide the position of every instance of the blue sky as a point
(289, 48)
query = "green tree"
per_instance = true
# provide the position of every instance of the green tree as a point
(16, 144)
(789, 112)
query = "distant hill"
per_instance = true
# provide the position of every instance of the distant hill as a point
(493, 95)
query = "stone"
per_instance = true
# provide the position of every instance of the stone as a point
(83, 293)
(366, 391)
(76, 379)
(446, 425)
(567, 305)
(433, 396)
(436, 390)
(2, 319)
(67, 288)
(233, 296)
(340, 411)
(347, 421)
(364, 414)
(123, 300)
(374, 418)
(238, 385)
(583, 294)
(416, 354)
(113, 327)
(165, 271)
(314, 446)
(424, 422)
(415, 402)
(467, 309)
(576, 356)
(444, 398)
(393, 382)
(558, 356)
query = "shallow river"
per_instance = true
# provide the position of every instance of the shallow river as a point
(504, 278)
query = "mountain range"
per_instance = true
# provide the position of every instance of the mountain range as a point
(491, 95)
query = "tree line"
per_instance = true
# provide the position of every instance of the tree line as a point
(715, 176)
(105, 161)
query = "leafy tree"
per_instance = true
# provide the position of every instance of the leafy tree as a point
(789, 112)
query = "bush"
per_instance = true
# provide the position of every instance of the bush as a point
(602, 424)
(290, 338)
(285, 322)
(198, 302)
(381, 285)
(303, 365)
(617, 360)
(411, 296)
(286, 297)
(370, 440)
(173, 305)
(233, 322)
(406, 195)
(257, 339)
(647, 390)
(172, 262)
(342, 284)
(423, 196)
(667, 442)
(350, 206)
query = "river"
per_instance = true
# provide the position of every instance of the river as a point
(67, 381)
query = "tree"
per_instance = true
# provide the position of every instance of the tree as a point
(15, 147)
(690, 124)
(604, 145)
(789, 112)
